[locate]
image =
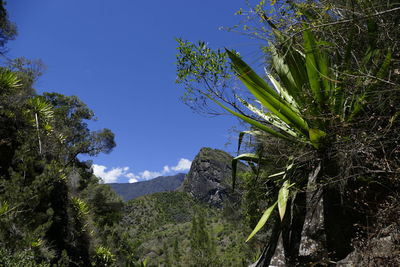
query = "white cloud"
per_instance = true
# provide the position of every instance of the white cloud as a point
(166, 169)
(148, 175)
(115, 174)
(183, 165)
(132, 178)
(112, 175)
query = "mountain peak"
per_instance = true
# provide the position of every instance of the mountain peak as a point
(209, 178)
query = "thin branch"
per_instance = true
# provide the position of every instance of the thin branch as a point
(347, 20)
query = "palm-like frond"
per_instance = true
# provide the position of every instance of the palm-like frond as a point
(42, 108)
(266, 95)
(8, 80)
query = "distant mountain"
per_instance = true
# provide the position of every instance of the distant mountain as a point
(160, 184)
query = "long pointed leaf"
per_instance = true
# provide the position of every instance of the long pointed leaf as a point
(312, 66)
(253, 122)
(323, 67)
(247, 73)
(272, 104)
(276, 174)
(262, 221)
(266, 95)
(272, 119)
(316, 137)
(283, 197)
(283, 92)
(291, 71)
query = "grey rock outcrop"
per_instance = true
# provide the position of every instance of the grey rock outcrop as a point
(209, 178)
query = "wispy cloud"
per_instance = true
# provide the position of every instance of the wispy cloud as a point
(120, 173)
(183, 165)
(112, 175)
(132, 178)
(148, 175)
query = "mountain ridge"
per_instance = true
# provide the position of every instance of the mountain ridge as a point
(129, 191)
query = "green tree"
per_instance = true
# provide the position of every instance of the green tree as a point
(70, 115)
(202, 244)
(8, 30)
(176, 252)
(44, 218)
(105, 204)
(40, 158)
(166, 255)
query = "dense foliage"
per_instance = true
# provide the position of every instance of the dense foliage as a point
(42, 180)
(174, 229)
(47, 195)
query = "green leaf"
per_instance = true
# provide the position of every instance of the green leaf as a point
(316, 137)
(276, 174)
(289, 64)
(291, 71)
(262, 221)
(385, 65)
(283, 197)
(9, 80)
(252, 122)
(4, 207)
(284, 94)
(324, 72)
(266, 95)
(272, 119)
(312, 66)
(246, 73)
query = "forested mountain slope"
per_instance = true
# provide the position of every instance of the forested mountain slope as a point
(174, 229)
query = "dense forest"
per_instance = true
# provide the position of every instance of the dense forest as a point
(320, 183)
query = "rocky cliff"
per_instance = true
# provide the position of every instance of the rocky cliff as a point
(210, 177)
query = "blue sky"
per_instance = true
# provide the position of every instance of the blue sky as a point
(118, 57)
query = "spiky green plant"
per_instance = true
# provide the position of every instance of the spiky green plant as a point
(103, 257)
(301, 104)
(43, 114)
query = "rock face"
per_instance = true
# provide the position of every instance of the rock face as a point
(209, 178)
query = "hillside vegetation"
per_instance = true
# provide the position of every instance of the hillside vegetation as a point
(162, 228)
